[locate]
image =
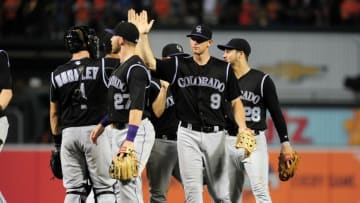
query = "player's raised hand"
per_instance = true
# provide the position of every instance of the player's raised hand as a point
(140, 20)
(132, 17)
(95, 133)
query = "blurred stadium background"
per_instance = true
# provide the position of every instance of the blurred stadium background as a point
(311, 48)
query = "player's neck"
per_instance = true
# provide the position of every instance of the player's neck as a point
(80, 55)
(126, 53)
(240, 69)
(113, 55)
(201, 59)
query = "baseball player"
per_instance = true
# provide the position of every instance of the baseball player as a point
(200, 86)
(127, 99)
(163, 162)
(77, 93)
(258, 94)
(6, 94)
(110, 61)
(111, 51)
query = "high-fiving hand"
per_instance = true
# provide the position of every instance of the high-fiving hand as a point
(140, 20)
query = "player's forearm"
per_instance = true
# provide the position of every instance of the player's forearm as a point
(239, 113)
(135, 117)
(146, 53)
(159, 104)
(5, 98)
(54, 119)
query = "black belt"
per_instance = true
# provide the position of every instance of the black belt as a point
(257, 132)
(119, 126)
(200, 128)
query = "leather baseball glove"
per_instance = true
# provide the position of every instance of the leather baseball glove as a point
(287, 165)
(55, 164)
(246, 139)
(124, 166)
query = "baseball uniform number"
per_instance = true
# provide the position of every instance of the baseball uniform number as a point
(215, 100)
(252, 113)
(82, 90)
(121, 101)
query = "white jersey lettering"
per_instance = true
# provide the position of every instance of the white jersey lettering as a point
(201, 81)
(250, 96)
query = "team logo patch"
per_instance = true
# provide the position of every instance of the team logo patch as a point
(178, 47)
(198, 29)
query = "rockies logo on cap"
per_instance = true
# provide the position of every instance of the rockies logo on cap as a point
(198, 29)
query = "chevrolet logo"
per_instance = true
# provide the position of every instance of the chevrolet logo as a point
(293, 70)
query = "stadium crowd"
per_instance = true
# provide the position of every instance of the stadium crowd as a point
(39, 18)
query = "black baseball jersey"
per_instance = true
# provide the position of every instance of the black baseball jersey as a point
(128, 86)
(165, 126)
(79, 87)
(258, 94)
(5, 72)
(199, 90)
(110, 65)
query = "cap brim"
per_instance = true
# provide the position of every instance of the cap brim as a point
(111, 31)
(223, 47)
(179, 54)
(197, 35)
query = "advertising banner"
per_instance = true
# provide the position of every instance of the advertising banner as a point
(323, 176)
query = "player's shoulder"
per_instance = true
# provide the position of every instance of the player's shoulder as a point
(4, 54)
(218, 63)
(135, 61)
(257, 72)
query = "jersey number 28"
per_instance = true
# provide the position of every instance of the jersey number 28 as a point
(252, 113)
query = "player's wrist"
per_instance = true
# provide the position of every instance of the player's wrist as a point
(57, 141)
(131, 133)
(2, 111)
(285, 143)
(105, 121)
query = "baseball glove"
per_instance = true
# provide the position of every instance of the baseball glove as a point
(287, 165)
(124, 166)
(55, 164)
(246, 139)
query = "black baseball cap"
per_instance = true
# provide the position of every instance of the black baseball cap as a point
(201, 31)
(238, 44)
(173, 49)
(128, 31)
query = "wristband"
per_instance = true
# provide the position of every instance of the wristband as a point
(284, 138)
(131, 133)
(105, 121)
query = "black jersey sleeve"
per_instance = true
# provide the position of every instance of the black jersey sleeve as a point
(154, 89)
(273, 105)
(5, 73)
(166, 69)
(232, 85)
(138, 81)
